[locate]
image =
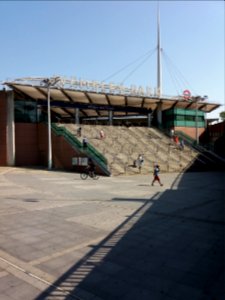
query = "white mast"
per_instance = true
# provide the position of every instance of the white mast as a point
(159, 66)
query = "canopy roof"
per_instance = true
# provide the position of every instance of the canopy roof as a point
(64, 100)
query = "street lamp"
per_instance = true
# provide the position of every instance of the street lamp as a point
(49, 82)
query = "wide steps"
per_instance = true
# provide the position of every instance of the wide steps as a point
(121, 146)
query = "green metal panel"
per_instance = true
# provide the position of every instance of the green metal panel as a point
(193, 113)
(180, 111)
(184, 118)
(189, 124)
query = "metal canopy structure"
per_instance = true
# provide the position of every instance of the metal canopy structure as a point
(64, 100)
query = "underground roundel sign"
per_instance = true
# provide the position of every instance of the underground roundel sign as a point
(186, 94)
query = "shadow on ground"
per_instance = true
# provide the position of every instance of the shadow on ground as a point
(172, 247)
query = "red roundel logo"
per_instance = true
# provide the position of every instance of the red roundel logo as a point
(186, 94)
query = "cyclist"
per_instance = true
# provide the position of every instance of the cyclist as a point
(91, 167)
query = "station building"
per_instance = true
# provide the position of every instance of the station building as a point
(26, 105)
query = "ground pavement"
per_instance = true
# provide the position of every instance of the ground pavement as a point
(115, 238)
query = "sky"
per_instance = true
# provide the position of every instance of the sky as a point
(115, 41)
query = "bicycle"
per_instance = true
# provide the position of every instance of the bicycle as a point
(87, 173)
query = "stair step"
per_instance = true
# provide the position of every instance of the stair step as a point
(122, 146)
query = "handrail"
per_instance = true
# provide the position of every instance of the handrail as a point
(200, 148)
(90, 151)
(191, 141)
(62, 131)
(187, 138)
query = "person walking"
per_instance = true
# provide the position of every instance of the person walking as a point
(156, 175)
(85, 143)
(79, 132)
(181, 144)
(101, 134)
(171, 133)
(140, 162)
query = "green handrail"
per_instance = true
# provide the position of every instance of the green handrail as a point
(90, 151)
(68, 135)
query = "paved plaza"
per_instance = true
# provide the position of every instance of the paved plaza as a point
(114, 238)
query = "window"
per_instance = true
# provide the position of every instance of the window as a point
(25, 111)
(180, 118)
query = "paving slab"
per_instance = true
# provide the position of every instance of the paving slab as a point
(116, 238)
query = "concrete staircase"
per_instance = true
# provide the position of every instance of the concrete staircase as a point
(121, 146)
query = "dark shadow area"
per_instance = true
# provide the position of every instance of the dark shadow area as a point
(219, 146)
(207, 161)
(171, 248)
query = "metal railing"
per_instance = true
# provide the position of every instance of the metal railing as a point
(90, 151)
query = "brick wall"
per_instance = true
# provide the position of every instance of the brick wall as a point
(62, 152)
(26, 144)
(32, 147)
(43, 144)
(216, 131)
(191, 131)
(3, 128)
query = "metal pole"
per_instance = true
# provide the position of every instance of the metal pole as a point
(110, 117)
(49, 132)
(77, 119)
(196, 123)
(159, 66)
(149, 119)
(48, 82)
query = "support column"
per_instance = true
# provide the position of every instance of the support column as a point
(159, 114)
(149, 119)
(77, 116)
(110, 117)
(10, 135)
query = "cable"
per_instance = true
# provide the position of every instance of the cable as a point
(174, 79)
(126, 66)
(180, 76)
(143, 61)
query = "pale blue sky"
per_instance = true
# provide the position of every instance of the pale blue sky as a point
(94, 39)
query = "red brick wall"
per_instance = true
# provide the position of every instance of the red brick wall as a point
(191, 131)
(26, 144)
(62, 152)
(43, 143)
(32, 147)
(3, 126)
(216, 131)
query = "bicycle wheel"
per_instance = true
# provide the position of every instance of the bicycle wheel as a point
(83, 176)
(95, 176)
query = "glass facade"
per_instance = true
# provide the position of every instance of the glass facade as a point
(183, 118)
(26, 111)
